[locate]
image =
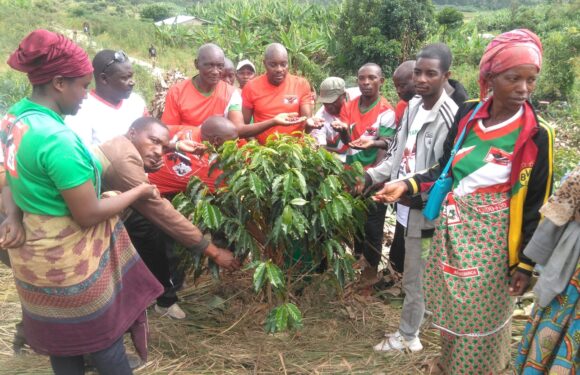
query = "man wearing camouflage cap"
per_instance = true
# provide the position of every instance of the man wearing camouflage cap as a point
(333, 95)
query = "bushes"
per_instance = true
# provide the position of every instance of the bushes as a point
(158, 12)
(13, 87)
(561, 48)
(385, 32)
(286, 205)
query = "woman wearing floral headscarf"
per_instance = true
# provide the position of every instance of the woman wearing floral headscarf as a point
(501, 176)
(551, 340)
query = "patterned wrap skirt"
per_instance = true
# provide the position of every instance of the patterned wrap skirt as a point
(466, 283)
(80, 288)
(551, 340)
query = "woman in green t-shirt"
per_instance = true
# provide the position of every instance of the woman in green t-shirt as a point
(80, 281)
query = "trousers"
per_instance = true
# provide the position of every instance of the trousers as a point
(371, 243)
(414, 303)
(155, 248)
(109, 361)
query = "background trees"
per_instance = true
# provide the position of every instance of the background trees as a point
(385, 32)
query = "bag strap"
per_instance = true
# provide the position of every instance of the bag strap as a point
(459, 142)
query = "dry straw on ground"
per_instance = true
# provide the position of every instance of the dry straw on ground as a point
(223, 334)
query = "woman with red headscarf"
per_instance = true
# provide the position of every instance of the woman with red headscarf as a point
(80, 282)
(501, 175)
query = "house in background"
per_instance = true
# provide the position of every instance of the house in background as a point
(183, 21)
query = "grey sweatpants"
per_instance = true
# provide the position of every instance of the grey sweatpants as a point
(416, 252)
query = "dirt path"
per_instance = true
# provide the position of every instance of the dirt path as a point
(90, 43)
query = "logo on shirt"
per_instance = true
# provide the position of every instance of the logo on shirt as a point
(371, 132)
(290, 99)
(182, 166)
(11, 137)
(498, 156)
(525, 176)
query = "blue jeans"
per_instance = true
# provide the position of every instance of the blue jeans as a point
(109, 361)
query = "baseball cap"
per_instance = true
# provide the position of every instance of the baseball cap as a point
(245, 62)
(330, 89)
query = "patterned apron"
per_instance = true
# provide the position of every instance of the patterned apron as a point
(467, 281)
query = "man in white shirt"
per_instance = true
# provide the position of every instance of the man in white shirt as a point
(112, 106)
(333, 95)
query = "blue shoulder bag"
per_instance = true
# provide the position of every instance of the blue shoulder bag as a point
(443, 184)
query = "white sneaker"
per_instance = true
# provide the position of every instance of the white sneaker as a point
(398, 342)
(173, 311)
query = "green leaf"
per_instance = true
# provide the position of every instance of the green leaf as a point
(301, 181)
(275, 275)
(281, 319)
(212, 216)
(294, 314)
(256, 185)
(259, 276)
(298, 202)
(287, 216)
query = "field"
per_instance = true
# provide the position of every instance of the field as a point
(224, 330)
(223, 334)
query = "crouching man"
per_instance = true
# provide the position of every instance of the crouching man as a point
(154, 222)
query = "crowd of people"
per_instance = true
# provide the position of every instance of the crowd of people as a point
(89, 175)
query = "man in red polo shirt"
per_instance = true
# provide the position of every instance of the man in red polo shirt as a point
(277, 92)
(367, 125)
(403, 81)
(179, 167)
(189, 103)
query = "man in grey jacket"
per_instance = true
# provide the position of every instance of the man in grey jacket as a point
(418, 145)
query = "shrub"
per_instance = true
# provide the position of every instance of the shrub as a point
(558, 76)
(157, 12)
(286, 205)
(13, 87)
(449, 18)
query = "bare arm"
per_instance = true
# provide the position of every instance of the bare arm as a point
(250, 130)
(12, 233)
(306, 110)
(87, 210)
(236, 117)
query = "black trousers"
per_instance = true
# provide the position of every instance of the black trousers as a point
(371, 243)
(155, 248)
(110, 361)
(397, 251)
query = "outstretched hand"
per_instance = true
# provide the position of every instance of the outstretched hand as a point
(190, 146)
(314, 123)
(362, 143)
(339, 126)
(286, 119)
(391, 192)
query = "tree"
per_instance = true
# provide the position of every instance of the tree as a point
(157, 12)
(449, 18)
(286, 204)
(385, 32)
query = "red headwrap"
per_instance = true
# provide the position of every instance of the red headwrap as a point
(513, 48)
(43, 55)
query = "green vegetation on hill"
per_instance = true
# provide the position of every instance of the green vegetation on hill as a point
(323, 37)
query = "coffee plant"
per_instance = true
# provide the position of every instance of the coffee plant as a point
(286, 205)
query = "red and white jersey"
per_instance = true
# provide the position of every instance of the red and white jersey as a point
(98, 121)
